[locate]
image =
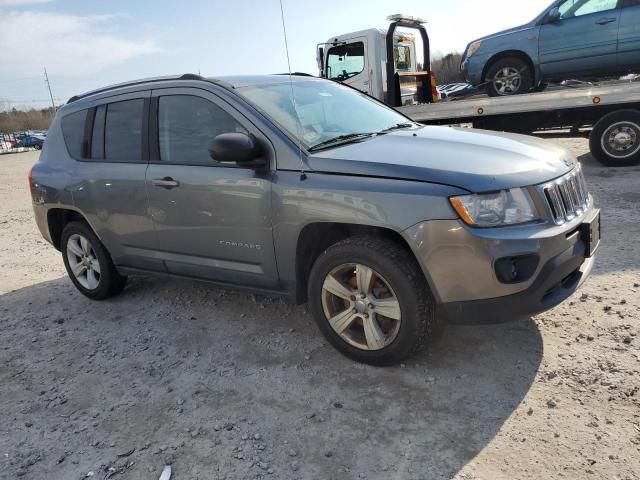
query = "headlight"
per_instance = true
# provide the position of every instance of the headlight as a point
(473, 48)
(506, 207)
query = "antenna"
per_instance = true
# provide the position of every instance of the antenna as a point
(293, 97)
(46, 77)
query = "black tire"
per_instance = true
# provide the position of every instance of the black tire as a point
(37, 147)
(516, 64)
(110, 282)
(603, 131)
(400, 270)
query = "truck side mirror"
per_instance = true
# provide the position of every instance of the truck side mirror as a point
(553, 16)
(320, 60)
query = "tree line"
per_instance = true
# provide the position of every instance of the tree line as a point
(15, 120)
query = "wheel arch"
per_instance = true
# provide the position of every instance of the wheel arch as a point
(315, 238)
(58, 218)
(512, 53)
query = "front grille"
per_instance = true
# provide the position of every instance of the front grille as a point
(567, 196)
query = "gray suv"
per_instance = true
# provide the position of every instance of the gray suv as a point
(307, 189)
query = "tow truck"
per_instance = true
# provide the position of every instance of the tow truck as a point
(385, 65)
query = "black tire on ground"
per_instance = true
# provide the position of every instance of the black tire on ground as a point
(541, 87)
(110, 282)
(400, 270)
(624, 124)
(512, 64)
(37, 147)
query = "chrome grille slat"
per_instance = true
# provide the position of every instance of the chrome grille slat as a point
(567, 197)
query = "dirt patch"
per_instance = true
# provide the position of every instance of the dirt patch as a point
(229, 385)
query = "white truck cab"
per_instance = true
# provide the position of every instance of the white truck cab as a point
(363, 60)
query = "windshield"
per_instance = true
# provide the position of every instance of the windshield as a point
(327, 111)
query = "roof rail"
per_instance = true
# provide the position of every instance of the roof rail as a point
(186, 76)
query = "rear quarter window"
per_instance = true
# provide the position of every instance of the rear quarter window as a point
(73, 132)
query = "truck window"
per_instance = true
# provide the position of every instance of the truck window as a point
(577, 8)
(345, 61)
(402, 57)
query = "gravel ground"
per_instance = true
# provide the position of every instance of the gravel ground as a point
(227, 385)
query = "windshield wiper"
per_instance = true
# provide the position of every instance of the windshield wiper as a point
(398, 126)
(349, 137)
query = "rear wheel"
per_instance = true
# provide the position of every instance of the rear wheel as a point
(615, 139)
(88, 263)
(371, 301)
(508, 76)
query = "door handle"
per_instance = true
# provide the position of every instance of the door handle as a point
(604, 21)
(166, 182)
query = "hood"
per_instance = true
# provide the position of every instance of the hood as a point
(475, 160)
(520, 28)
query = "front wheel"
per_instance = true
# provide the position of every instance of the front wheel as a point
(615, 139)
(371, 301)
(508, 76)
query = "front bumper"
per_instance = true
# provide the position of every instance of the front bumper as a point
(559, 278)
(460, 264)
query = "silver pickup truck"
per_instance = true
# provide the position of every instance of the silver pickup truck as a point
(300, 187)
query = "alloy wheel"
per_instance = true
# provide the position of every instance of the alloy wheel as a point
(83, 261)
(361, 306)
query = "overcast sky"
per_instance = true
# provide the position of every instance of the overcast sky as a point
(86, 44)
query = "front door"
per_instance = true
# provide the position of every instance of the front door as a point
(213, 220)
(347, 63)
(584, 39)
(629, 36)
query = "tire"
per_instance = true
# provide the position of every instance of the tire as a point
(105, 281)
(37, 147)
(615, 139)
(407, 296)
(522, 82)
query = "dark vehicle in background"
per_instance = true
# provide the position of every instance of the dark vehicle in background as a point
(31, 141)
(569, 39)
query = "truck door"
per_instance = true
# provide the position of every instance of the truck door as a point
(348, 63)
(583, 39)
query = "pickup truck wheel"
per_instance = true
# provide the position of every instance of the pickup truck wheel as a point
(371, 301)
(88, 263)
(508, 76)
(615, 139)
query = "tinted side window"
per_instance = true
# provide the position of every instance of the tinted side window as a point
(97, 137)
(187, 125)
(73, 132)
(123, 130)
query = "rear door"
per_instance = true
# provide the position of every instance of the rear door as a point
(348, 63)
(584, 39)
(110, 180)
(212, 220)
(629, 36)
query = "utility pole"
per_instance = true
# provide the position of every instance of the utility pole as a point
(46, 77)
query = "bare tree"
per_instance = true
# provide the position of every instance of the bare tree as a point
(447, 67)
(14, 120)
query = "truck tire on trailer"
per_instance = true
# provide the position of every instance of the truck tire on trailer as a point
(615, 138)
(508, 76)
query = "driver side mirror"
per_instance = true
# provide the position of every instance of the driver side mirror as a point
(238, 148)
(553, 16)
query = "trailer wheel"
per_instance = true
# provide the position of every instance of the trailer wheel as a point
(615, 139)
(508, 76)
